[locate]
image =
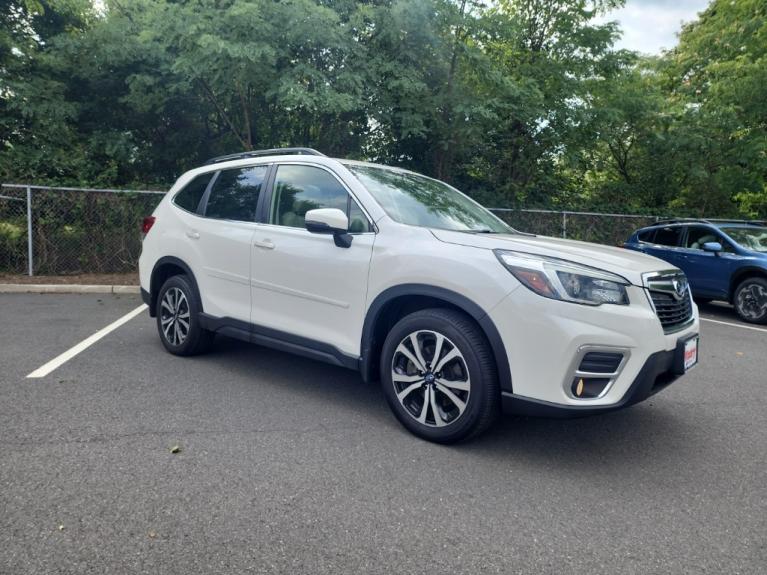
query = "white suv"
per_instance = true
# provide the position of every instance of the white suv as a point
(412, 283)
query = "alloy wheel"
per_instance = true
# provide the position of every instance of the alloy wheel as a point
(174, 316)
(752, 301)
(431, 379)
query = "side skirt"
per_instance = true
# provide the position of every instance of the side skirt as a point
(279, 340)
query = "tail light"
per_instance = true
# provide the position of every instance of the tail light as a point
(146, 225)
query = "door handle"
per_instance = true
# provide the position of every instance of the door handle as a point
(193, 235)
(266, 244)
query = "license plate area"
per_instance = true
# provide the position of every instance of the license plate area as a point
(686, 356)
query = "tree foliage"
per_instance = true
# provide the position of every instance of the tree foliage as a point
(516, 101)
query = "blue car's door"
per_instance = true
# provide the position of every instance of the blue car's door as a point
(709, 273)
(666, 244)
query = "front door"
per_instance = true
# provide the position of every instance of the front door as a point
(708, 272)
(302, 284)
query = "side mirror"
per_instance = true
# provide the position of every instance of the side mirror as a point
(715, 247)
(329, 221)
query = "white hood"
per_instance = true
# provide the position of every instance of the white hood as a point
(627, 263)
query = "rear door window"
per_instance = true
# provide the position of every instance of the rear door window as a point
(668, 236)
(234, 195)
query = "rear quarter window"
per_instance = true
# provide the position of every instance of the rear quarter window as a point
(646, 236)
(190, 195)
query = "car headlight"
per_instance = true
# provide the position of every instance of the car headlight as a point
(564, 280)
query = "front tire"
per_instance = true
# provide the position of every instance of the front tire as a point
(750, 300)
(178, 318)
(439, 377)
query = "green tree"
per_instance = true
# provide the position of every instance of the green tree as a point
(518, 102)
(718, 73)
(547, 55)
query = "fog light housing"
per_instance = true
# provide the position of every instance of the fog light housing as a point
(589, 387)
(594, 370)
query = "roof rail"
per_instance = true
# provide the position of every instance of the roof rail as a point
(269, 152)
(750, 222)
(682, 221)
(713, 222)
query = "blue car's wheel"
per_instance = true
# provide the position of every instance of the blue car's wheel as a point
(751, 300)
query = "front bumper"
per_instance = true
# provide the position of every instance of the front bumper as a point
(543, 339)
(658, 372)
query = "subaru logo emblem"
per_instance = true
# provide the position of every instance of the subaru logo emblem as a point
(680, 287)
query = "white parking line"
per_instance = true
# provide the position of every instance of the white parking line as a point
(85, 344)
(733, 324)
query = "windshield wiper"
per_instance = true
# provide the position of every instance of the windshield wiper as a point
(482, 231)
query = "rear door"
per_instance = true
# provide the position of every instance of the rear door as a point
(640, 241)
(302, 283)
(666, 244)
(222, 238)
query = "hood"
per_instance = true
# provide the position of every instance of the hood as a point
(627, 263)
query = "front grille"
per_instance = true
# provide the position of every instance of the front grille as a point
(672, 312)
(670, 294)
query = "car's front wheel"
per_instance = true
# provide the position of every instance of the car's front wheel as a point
(178, 318)
(751, 300)
(439, 376)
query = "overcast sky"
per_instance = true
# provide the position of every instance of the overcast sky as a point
(651, 25)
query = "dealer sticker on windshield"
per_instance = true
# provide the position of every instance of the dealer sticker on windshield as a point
(690, 353)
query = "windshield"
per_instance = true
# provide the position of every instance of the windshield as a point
(750, 238)
(420, 201)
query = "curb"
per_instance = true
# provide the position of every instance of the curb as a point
(67, 288)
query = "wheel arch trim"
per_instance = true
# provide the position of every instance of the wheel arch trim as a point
(374, 314)
(154, 288)
(743, 273)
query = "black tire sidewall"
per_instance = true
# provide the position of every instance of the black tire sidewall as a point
(480, 373)
(190, 345)
(743, 285)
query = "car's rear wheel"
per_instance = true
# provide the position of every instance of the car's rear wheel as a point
(178, 318)
(439, 377)
(751, 300)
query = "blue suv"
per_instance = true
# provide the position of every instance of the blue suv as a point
(723, 260)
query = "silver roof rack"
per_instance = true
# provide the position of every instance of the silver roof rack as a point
(269, 152)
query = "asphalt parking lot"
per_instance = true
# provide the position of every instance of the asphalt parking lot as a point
(291, 466)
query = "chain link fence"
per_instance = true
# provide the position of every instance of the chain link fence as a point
(600, 228)
(61, 231)
(13, 231)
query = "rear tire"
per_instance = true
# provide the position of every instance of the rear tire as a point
(439, 376)
(178, 318)
(750, 300)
